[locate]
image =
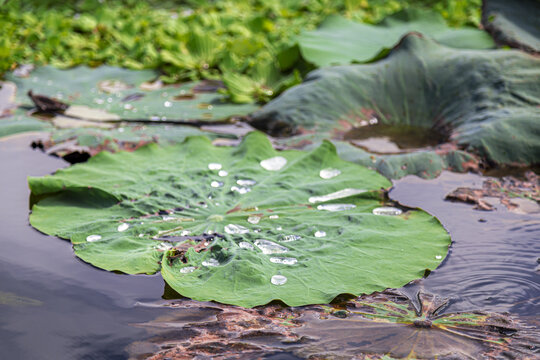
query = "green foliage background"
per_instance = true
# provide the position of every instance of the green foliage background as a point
(187, 39)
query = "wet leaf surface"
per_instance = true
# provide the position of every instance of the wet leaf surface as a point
(339, 41)
(513, 24)
(295, 226)
(485, 102)
(118, 91)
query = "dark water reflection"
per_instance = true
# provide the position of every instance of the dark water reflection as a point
(85, 313)
(493, 259)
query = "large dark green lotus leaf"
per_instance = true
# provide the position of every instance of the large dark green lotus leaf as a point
(486, 101)
(19, 122)
(513, 23)
(119, 92)
(175, 196)
(339, 41)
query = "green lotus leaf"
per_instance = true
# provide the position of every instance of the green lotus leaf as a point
(486, 102)
(513, 23)
(243, 225)
(128, 94)
(19, 122)
(340, 41)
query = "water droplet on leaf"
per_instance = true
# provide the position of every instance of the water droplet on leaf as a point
(336, 207)
(320, 233)
(246, 182)
(278, 280)
(222, 173)
(387, 210)
(336, 195)
(214, 166)
(288, 238)
(246, 245)
(274, 164)
(187, 269)
(253, 219)
(216, 184)
(240, 190)
(284, 260)
(270, 247)
(329, 173)
(236, 229)
(91, 238)
(123, 227)
(210, 263)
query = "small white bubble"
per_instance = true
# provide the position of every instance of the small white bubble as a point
(164, 246)
(187, 269)
(128, 106)
(123, 227)
(336, 207)
(387, 210)
(222, 173)
(168, 218)
(336, 195)
(254, 219)
(141, 235)
(91, 238)
(246, 182)
(210, 263)
(438, 257)
(288, 238)
(329, 173)
(274, 164)
(320, 233)
(240, 190)
(284, 260)
(279, 228)
(278, 280)
(185, 233)
(216, 184)
(214, 166)
(167, 104)
(236, 229)
(246, 245)
(270, 247)
(273, 217)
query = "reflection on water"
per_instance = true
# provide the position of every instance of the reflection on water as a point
(393, 139)
(492, 261)
(83, 313)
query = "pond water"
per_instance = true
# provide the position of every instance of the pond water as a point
(393, 139)
(54, 306)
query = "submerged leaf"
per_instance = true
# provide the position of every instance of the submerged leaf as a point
(342, 41)
(484, 101)
(213, 217)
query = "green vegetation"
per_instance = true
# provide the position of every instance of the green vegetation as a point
(246, 42)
